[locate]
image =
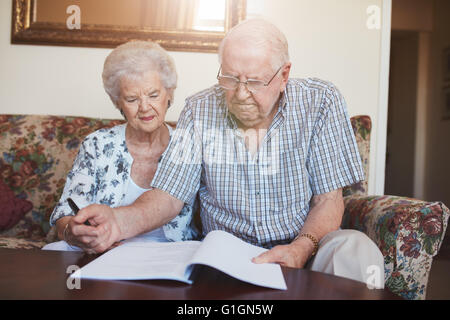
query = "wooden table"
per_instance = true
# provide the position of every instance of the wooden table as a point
(36, 274)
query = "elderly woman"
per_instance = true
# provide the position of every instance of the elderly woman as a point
(115, 166)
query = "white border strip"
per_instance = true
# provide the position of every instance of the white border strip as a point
(380, 160)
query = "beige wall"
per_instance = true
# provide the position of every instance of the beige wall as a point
(328, 39)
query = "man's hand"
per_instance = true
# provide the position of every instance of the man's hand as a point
(293, 255)
(325, 215)
(103, 233)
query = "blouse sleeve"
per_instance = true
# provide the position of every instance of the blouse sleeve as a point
(80, 183)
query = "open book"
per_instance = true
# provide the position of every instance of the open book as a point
(137, 259)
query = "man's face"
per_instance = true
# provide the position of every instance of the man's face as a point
(252, 110)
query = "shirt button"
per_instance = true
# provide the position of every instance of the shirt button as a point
(257, 193)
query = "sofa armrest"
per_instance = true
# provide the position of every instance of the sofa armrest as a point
(409, 233)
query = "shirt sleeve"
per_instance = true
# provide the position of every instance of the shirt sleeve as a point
(80, 182)
(333, 158)
(180, 168)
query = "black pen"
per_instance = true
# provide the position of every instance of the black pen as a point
(75, 209)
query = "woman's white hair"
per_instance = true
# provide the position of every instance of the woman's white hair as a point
(133, 59)
(259, 33)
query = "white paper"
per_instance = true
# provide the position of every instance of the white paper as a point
(140, 260)
(61, 246)
(136, 260)
(231, 255)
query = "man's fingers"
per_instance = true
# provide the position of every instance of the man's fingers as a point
(270, 256)
(284, 255)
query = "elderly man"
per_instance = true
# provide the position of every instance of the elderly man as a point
(269, 157)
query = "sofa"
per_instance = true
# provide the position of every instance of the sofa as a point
(37, 152)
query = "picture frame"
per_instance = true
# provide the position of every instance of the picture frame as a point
(28, 26)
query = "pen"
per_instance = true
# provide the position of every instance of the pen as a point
(75, 209)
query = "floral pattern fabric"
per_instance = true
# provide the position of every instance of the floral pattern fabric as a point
(18, 243)
(362, 126)
(409, 233)
(36, 153)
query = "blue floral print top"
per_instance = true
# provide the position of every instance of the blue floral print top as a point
(101, 173)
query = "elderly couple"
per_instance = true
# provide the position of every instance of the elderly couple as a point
(129, 180)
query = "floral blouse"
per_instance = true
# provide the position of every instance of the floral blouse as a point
(101, 173)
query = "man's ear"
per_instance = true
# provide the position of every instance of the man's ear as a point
(285, 75)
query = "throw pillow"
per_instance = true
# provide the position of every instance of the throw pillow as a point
(12, 209)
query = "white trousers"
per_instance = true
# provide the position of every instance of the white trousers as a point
(350, 254)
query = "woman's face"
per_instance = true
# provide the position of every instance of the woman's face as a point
(144, 101)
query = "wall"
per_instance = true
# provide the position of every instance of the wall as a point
(67, 80)
(328, 39)
(438, 135)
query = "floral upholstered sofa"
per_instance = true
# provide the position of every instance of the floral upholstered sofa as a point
(37, 152)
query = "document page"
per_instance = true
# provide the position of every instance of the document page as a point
(143, 260)
(231, 255)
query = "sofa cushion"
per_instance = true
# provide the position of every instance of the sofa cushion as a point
(12, 208)
(36, 153)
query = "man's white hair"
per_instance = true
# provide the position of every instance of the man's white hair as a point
(260, 34)
(132, 60)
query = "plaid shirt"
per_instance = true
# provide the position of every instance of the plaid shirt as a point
(263, 198)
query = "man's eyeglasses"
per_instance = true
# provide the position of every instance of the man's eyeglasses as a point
(231, 83)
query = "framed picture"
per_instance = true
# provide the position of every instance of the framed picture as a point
(178, 25)
(446, 103)
(446, 64)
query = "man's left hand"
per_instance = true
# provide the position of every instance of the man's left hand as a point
(294, 255)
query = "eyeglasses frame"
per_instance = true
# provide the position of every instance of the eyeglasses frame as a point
(245, 82)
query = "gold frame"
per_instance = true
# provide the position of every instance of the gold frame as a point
(26, 31)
